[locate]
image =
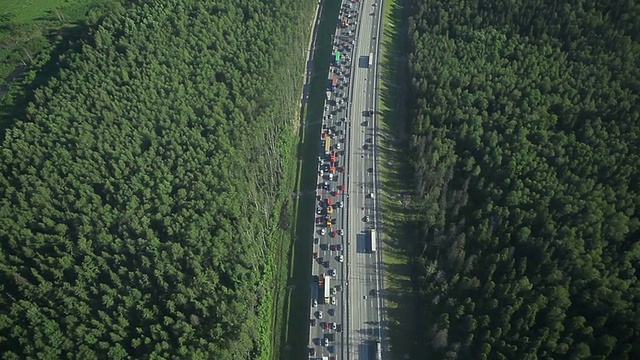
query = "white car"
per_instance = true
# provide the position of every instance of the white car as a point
(319, 314)
(334, 326)
(333, 291)
(333, 301)
(341, 258)
(325, 342)
(340, 231)
(323, 231)
(315, 303)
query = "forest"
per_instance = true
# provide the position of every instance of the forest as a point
(144, 190)
(525, 136)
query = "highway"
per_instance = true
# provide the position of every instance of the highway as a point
(346, 196)
(364, 312)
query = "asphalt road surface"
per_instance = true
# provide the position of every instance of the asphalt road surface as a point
(364, 306)
(346, 121)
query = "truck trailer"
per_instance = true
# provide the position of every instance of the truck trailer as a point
(373, 240)
(327, 289)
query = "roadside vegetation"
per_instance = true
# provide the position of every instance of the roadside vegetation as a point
(144, 190)
(399, 289)
(525, 151)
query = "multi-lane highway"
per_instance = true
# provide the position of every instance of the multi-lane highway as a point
(364, 312)
(345, 313)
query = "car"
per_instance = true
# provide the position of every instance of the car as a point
(340, 247)
(314, 303)
(338, 146)
(370, 195)
(333, 291)
(367, 218)
(365, 147)
(332, 272)
(312, 351)
(334, 234)
(319, 314)
(326, 264)
(334, 326)
(319, 219)
(325, 325)
(315, 255)
(365, 123)
(340, 232)
(325, 342)
(370, 169)
(323, 231)
(312, 322)
(316, 241)
(339, 328)
(341, 258)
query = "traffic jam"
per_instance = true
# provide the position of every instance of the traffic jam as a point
(329, 245)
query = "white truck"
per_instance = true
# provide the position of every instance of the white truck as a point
(327, 289)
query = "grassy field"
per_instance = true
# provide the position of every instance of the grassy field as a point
(295, 335)
(24, 11)
(402, 306)
(32, 34)
(27, 24)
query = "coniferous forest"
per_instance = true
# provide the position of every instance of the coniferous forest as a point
(525, 148)
(144, 191)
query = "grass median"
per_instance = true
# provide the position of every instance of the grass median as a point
(402, 307)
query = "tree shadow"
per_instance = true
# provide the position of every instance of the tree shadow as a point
(43, 67)
(401, 326)
(296, 335)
